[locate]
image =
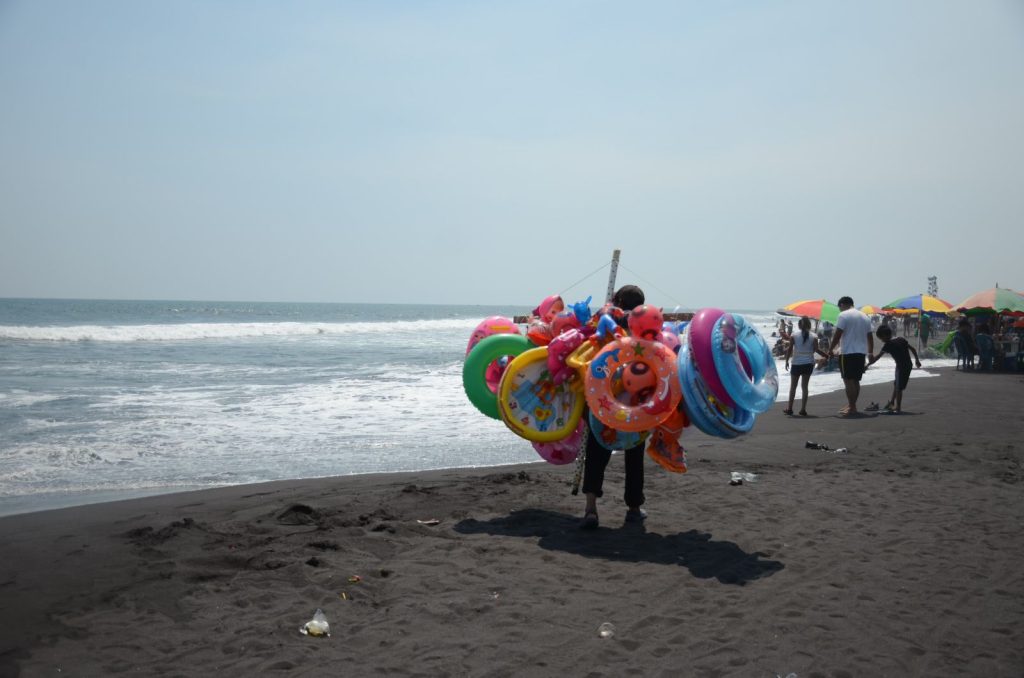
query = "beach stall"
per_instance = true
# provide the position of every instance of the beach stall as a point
(998, 300)
(1000, 304)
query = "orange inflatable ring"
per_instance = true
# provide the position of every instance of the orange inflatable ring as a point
(633, 384)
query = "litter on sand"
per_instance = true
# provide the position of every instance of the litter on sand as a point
(317, 626)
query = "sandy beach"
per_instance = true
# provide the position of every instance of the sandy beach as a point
(901, 557)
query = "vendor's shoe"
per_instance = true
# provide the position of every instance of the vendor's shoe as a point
(637, 515)
(589, 521)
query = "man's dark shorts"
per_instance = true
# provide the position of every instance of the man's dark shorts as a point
(851, 366)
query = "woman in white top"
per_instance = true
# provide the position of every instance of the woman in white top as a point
(802, 347)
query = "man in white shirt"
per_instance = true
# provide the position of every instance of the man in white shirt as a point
(855, 340)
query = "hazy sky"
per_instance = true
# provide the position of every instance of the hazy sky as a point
(741, 154)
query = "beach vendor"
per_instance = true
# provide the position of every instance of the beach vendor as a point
(625, 298)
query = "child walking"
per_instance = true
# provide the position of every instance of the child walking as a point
(900, 350)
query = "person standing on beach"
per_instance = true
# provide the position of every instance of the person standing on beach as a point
(855, 341)
(802, 347)
(784, 330)
(926, 326)
(900, 350)
(626, 298)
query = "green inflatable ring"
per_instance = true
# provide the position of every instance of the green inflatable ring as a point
(474, 379)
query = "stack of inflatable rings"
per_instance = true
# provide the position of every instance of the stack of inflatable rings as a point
(723, 376)
(727, 373)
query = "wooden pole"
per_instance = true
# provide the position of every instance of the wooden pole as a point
(611, 275)
(581, 461)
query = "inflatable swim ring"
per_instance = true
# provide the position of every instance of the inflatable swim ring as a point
(496, 324)
(732, 339)
(532, 405)
(478, 364)
(704, 409)
(614, 439)
(700, 329)
(566, 450)
(649, 374)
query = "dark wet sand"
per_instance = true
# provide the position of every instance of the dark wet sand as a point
(902, 557)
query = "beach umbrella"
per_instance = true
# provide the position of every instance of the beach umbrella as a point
(818, 309)
(996, 300)
(919, 303)
(872, 310)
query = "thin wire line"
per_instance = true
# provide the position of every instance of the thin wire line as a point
(651, 284)
(589, 275)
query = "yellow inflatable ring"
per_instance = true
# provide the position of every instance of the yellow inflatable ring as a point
(530, 403)
(632, 384)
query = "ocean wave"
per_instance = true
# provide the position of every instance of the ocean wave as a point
(200, 331)
(24, 399)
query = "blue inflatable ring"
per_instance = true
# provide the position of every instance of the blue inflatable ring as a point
(614, 439)
(707, 414)
(731, 335)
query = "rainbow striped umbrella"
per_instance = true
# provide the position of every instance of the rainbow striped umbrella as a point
(920, 303)
(996, 300)
(819, 309)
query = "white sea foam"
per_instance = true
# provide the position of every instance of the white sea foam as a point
(196, 331)
(24, 399)
(403, 419)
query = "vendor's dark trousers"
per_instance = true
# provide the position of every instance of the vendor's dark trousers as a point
(596, 461)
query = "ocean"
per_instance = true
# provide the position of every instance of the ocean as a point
(106, 400)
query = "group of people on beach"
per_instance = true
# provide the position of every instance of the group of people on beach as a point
(981, 344)
(855, 340)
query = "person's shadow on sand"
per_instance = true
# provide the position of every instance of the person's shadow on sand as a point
(694, 550)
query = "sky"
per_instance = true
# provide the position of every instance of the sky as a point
(740, 154)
